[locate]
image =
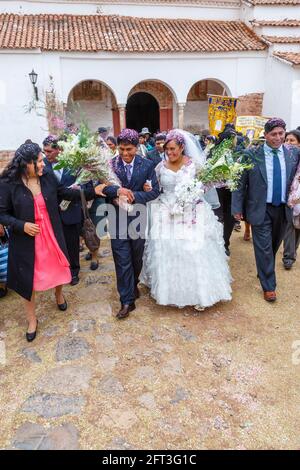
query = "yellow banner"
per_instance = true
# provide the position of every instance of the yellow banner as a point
(221, 110)
(251, 126)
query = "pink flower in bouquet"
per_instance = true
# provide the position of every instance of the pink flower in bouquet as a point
(57, 122)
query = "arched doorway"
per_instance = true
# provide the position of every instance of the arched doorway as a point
(94, 102)
(196, 109)
(142, 110)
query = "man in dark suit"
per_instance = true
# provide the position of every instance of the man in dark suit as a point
(127, 244)
(158, 154)
(71, 214)
(262, 195)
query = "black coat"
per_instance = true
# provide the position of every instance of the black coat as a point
(16, 208)
(73, 214)
(251, 196)
(154, 156)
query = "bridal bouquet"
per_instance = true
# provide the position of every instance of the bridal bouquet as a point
(224, 168)
(188, 194)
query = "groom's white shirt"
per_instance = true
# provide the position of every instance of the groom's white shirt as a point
(131, 164)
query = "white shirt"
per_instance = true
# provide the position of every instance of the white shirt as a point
(269, 166)
(58, 173)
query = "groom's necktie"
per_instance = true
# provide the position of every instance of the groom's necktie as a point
(128, 169)
(277, 182)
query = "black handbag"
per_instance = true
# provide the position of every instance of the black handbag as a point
(88, 229)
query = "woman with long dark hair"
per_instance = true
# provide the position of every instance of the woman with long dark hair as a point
(29, 207)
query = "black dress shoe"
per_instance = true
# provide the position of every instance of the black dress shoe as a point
(288, 264)
(227, 251)
(88, 257)
(74, 281)
(31, 336)
(94, 265)
(137, 293)
(3, 292)
(125, 310)
(63, 307)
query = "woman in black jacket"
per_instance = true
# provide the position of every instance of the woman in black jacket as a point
(29, 206)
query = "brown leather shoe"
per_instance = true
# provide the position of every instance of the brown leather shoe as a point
(125, 310)
(270, 296)
(137, 293)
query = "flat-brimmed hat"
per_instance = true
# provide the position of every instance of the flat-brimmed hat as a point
(145, 131)
(101, 130)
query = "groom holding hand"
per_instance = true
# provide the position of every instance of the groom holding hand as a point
(133, 172)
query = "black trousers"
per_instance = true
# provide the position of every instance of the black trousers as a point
(224, 214)
(267, 239)
(291, 243)
(72, 238)
(128, 258)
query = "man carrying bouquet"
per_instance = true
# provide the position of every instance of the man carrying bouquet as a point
(71, 214)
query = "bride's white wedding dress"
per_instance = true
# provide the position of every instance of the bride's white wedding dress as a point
(184, 259)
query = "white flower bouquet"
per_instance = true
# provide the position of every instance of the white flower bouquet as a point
(224, 168)
(188, 194)
(87, 160)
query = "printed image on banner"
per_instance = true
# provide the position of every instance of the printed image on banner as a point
(221, 110)
(251, 126)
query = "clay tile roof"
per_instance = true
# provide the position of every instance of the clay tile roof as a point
(274, 2)
(291, 23)
(292, 57)
(124, 34)
(282, 39)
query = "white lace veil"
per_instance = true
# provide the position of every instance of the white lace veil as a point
(192, 147)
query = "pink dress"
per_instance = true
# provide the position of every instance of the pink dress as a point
(51, 267)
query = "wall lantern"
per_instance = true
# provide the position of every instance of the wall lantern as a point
(33, 78)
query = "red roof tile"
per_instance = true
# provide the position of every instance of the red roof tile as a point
(282, 39)
(292, 23)
(292, 57)
(274, 2)
(124, 34)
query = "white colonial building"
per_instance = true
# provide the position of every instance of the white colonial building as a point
(145, 62)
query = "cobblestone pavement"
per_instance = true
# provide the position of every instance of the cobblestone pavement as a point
(164, 378)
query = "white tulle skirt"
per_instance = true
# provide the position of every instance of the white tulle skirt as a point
(184, 258)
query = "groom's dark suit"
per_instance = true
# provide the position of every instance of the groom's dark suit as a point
(127, 251)
(268, 221)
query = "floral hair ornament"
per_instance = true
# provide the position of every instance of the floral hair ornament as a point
(128, 136)
(175, 135)
(274, 122)
(51, 140)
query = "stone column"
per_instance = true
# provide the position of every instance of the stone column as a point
(122, 113)
(181, 107)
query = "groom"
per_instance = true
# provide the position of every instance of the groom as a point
(133, 171)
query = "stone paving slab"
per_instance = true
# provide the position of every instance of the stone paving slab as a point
(164, 378)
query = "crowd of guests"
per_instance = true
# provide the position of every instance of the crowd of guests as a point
(36, 198)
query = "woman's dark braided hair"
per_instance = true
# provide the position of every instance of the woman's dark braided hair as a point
(25, 154)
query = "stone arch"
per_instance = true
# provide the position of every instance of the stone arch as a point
(196, 109)
(96, 101)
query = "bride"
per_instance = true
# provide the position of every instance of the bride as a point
(184, 259)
